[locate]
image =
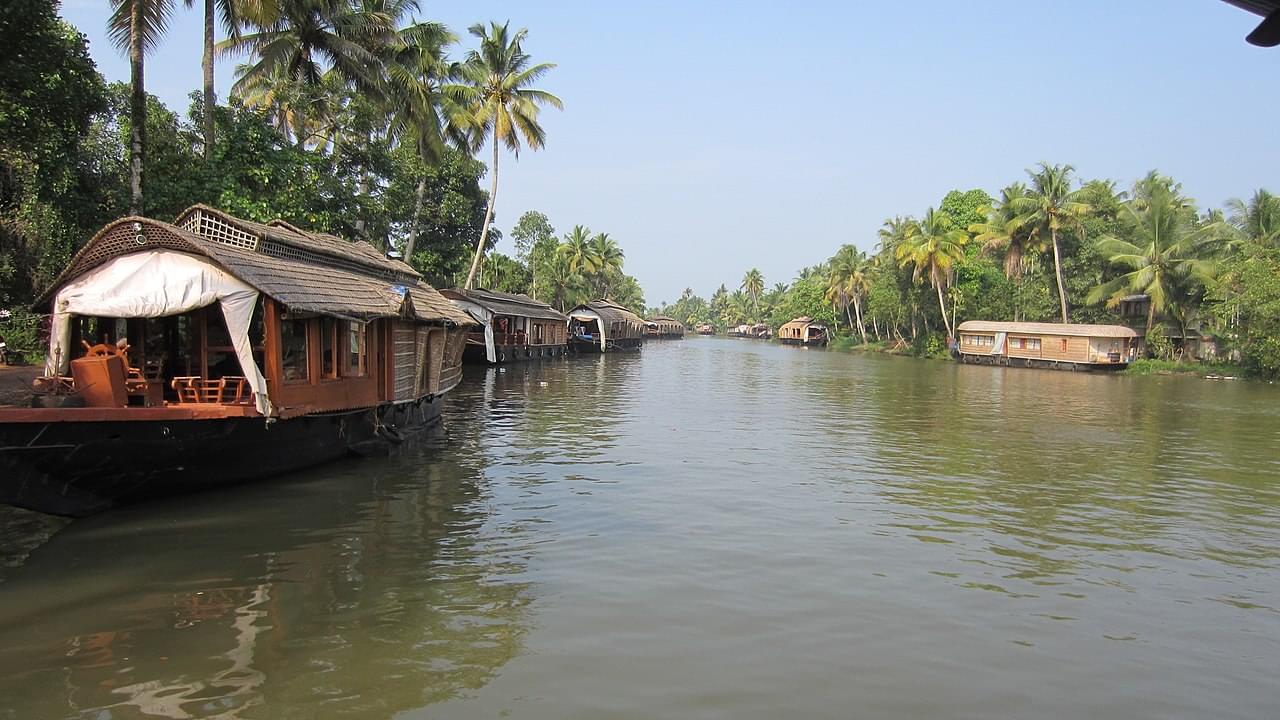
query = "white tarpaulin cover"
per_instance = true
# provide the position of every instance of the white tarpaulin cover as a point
(589, 315)
(152, 284)
(484, 316)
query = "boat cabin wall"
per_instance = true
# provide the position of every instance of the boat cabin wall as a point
(316, 364)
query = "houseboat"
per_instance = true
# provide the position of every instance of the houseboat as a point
(743, 330)
(1047, 345)
(215, 350)
(512, 327)
(706, 329)
(803, 330)
(604, 326)
(761, 331)
(664, 327)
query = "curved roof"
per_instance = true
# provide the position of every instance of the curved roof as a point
(1071, 330)
(304, 285)
(610, 312)
(500, 303)
(803, 321)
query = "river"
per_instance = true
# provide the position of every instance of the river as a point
(711, 528)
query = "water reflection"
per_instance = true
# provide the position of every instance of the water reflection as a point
(374, 588)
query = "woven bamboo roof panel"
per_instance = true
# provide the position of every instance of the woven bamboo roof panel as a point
(1029, 328)
(500, 303)
(611, 312)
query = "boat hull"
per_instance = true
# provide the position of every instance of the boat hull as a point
(475, 354)
(805, 343)
(84, 467)
(1016, 362)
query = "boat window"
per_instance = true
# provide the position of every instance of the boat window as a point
(1035, 343)
(293, 350)
(357, 352)
(328, 348)
(1064, 344)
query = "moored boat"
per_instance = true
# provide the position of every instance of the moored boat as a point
(706, 329)
(803, 330)
(218, 350)
(663, 327)
(1054, 346)
(512, 327)
(604, 326)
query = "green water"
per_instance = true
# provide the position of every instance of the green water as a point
(711, 528)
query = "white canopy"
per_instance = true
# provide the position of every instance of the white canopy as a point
(484, 316)
(584, 315)
(152, 284)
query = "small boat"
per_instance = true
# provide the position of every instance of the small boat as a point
(706, 329)
(604, 326)
(761, 331)
(215, 350)
(512, 327)
(1055, 346)
(805, 331)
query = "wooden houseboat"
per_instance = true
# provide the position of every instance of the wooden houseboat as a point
(216, 350)
(803, 330)
(604, 326)
(743, 330)
(761, 331)
(1047, 345)
(512, 327)
(706, 329)
(664, 327)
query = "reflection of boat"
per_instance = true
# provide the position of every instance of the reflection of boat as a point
(803, 331)
(244, 605)
(222, 350)
(1046, 345)
(604, 326)
(515, 327)
(664, 327)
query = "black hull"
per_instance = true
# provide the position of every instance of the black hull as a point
(475, 354)
(81, 468)
(585, 346)
(803, 343)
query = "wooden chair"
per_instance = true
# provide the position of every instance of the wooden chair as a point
(229, 390)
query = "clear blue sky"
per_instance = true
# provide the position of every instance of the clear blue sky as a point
(710, 137)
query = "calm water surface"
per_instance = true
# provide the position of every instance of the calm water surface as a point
(709, 529)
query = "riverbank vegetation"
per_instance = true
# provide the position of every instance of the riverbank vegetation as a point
(348, 118)
(1197, 283)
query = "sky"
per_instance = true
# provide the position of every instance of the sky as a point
(711, 137)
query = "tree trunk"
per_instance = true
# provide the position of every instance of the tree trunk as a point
(943, 305)
(411, 243)
(1057, 270)
(488, 218)
(849, 316)
(137, 110)
(857, 308)
(207, 67)
(1151, 314)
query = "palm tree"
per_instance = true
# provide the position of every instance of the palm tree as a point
(1259, 219)
(229, 10)
(1004, 231)
(1170, 249)
(932, 251)
(608, 258)
(1050, 206)
(577, 246)
(563, 280)
(753, 286)
(136, 27)
(502, 105)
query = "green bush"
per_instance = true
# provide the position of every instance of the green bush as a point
(25, 335)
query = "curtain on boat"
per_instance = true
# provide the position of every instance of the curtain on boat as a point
(152, 284)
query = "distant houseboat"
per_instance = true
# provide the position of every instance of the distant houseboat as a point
(604, 326)
(1047, 345)
(761, 331)
(512, 327)
(664, 327)
(743, 330)
(706, 329)
(216, 350)
(803, 331)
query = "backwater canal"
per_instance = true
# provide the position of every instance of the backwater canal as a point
(711, 528)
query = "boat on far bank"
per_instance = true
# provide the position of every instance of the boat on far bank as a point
(1055, 346)
(804, 330)
(663, 327)
(706, 329)
(604, 326)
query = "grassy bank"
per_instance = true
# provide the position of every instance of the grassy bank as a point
(1196, 369)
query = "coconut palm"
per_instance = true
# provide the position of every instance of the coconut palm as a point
(563, 281)
(577, 247)
(502, 105)
(1259, 219)
(1050, 206)
(1004, 231)
(1170, 250)
(136, 26)
(608, 258)
(753, 286)
(932, 251)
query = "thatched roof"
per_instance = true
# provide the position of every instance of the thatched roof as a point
(1060, 329)
(802, 322)
(500, 303)
(610, 312)
(664, 321)
(356, 290)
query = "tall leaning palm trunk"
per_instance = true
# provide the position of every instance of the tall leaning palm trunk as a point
(137, 107)
(488, 219)
(206, 67)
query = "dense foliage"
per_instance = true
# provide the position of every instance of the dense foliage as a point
(1039, 249)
